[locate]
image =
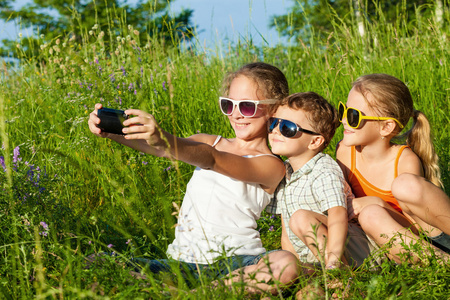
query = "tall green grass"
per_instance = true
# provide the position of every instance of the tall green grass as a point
(68, 194)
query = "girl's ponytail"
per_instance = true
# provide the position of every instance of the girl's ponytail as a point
(419, 139)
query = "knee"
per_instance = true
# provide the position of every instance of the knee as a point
(408, 188)
(285, 268)
(371, 217)
(302, 223)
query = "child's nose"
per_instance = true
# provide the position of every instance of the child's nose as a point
(236, 114)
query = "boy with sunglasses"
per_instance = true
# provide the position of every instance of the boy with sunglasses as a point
(312, 198)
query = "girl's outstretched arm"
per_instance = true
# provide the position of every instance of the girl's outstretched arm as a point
(264, 170)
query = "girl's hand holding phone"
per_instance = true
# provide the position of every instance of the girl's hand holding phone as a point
(143, 126)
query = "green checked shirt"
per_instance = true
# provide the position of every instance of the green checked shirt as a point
(318, 186)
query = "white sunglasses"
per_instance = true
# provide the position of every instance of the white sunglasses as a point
(247, 108)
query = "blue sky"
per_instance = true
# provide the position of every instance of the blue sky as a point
(217, 20)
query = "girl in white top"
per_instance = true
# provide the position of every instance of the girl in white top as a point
(232, 183)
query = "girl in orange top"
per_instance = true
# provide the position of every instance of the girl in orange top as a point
(397, 187)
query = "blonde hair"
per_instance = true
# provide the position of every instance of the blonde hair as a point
(270, 81)
(392, 98)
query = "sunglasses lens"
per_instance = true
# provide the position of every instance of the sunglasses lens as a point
(272, 123)
(341, 110)
(226, 106)
(288, 129)
(352, 117)
(247, 109)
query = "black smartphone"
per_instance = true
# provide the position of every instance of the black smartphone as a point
(111, 120)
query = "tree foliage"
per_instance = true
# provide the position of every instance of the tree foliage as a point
(53, 18)
(309, 18)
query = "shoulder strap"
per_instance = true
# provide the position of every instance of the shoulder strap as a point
(352, 163)
(216, 141)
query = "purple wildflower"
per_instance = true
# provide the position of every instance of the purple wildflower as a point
(90, 242)
(2, 162)
(271, 228)
(167, 169)
(16, 154)
(128, 242)
(164, 85)
(110, 246)
(44, 225)
(144, 163)
(124, 72)
(151, 78)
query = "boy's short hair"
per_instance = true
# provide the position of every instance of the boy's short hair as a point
(322, 116)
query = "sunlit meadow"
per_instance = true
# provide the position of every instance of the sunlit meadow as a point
(67, 194)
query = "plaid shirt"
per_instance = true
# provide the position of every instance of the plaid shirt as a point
(317, 186)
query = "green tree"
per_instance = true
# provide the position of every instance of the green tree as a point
(309, 18)
(53, 18)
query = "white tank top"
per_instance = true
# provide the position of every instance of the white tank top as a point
(218, 218)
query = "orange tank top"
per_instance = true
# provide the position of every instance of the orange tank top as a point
(361, 187)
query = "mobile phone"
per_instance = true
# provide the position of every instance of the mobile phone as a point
(111, 120)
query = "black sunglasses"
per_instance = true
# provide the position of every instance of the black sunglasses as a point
(287, 128)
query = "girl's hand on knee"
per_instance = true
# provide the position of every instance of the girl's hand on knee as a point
(356, 205)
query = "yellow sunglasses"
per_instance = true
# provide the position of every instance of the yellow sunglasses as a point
(355, 116)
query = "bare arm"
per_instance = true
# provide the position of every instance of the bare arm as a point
(264, 170)
(285, 242)
(337, 235)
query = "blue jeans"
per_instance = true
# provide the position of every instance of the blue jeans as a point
(191, 272)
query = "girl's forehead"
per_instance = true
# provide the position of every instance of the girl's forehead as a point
(357, 100)
(243, 87)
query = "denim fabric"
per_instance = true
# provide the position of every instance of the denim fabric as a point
(191, 272)
(442, 241)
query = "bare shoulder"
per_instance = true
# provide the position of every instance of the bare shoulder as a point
(203, 138)
(409, 162)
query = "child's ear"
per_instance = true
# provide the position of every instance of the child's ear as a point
(316, 142)
(387, 128)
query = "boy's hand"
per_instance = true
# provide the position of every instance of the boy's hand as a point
(332, 261)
